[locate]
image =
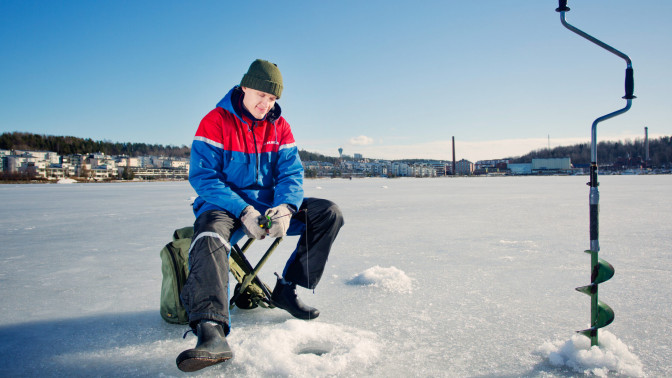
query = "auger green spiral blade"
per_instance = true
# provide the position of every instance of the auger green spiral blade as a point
(602, 272)
(588, 290)
(601, 315)
(605, 315)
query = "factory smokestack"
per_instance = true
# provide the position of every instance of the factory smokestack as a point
(453, 156)
(646, 145)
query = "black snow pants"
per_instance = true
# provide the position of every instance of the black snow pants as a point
(205, 295)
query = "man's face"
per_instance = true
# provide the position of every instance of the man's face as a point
(258, 103)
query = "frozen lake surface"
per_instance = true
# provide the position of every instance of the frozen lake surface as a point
(429, 277)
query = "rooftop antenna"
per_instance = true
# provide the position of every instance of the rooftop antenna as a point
(601, 315)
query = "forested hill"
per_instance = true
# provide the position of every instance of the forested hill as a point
(68, 145)
(660, 152)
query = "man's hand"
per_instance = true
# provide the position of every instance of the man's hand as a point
(280, 217)
(250, 219)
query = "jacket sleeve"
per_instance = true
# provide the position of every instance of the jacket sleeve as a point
(289, 171)
(207, 163)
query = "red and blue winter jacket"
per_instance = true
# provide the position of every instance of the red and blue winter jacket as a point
(238, 161)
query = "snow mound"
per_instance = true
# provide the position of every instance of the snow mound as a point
(611, 356)
(301, 349)
(390, 279)
(66, 181)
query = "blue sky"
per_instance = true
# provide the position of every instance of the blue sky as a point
(386, 79)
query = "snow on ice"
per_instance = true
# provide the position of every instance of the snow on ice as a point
(391, 279)
(429, 277)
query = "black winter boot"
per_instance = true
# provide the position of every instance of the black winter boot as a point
(284, 296)
(210, 349)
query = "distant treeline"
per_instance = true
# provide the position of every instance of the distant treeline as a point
(660, 152)
(312, 156)
(660, 149)
(68, 145)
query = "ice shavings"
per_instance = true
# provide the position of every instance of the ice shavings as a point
(293, 348)
(390, 279)
(611, 356)
(302, 349)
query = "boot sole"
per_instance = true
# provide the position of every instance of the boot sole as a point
(188, 362)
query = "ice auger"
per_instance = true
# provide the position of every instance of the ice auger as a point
(601, 315)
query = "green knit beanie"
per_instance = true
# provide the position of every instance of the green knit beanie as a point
(263, 76)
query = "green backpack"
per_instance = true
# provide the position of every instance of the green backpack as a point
(175, 269)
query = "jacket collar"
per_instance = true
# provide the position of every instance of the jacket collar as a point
(233, 103)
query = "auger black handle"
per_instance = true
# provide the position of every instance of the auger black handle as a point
(629, 84)
(562, 6)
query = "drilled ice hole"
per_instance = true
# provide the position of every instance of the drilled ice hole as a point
(316, 348)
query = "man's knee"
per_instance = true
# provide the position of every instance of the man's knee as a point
(218, 221)
(335, 213)
(328, 211)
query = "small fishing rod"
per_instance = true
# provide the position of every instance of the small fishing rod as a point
(266, 221)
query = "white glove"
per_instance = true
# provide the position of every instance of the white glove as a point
(250, 219)
(280, 217)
